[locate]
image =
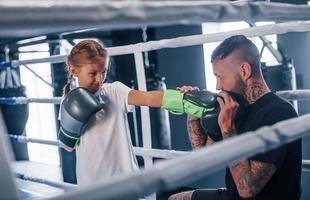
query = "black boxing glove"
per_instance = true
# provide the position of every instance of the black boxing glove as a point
(210, 121)
(76, 109)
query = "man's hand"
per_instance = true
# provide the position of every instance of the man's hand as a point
(186, 89)
(226, 119)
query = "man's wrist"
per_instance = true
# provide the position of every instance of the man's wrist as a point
(191, 118)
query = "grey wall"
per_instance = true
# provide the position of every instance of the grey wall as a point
(297, 46)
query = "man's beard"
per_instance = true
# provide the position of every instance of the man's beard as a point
(239, 87)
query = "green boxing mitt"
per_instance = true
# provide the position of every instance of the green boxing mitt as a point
(195, 103)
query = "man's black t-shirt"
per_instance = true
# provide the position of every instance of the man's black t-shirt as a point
(285, 183)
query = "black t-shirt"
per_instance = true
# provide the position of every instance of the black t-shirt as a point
(285, 183)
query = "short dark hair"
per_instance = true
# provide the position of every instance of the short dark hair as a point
(245, 48)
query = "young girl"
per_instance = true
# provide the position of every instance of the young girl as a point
(105, 147)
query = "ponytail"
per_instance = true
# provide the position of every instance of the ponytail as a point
(66, 88)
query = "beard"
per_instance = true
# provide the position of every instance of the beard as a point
(239, 87)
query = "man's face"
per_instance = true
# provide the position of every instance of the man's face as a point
(228, 76)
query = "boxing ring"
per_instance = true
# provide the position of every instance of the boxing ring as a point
(178, 169)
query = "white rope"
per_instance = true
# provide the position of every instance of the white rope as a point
(25, 139)
(61, 185)
(32, 18)
(300, 95)
(186, 169)
(25, 100)
(279, 28)
(138, 151)
(159, 153)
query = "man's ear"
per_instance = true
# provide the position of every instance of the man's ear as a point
(246, 71)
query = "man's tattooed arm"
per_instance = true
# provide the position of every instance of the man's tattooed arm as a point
(182, 196)
(251, 176)
(196, 133)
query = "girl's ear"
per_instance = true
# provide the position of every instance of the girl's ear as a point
(246, 71)
(74, 70)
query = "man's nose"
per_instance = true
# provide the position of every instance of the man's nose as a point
(218, 85)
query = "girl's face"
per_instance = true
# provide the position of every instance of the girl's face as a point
(91, 75)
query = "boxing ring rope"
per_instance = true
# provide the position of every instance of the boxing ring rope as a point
(61, 185)
(139, 151)
(184, 41)
(25, 100)
(291, 95)
(186, 169)
(33, 18)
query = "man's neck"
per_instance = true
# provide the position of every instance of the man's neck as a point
(256, 90)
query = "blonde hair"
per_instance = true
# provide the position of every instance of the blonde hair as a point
(86, 50)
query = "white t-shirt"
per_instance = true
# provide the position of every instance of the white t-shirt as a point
(105, 147)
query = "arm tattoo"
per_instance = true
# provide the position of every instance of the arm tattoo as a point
(209, 141)
(196, 133)
(182, 196)
(251, 177)
(229, 133)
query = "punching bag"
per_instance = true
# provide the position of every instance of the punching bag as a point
(15, 117)
(161, 134)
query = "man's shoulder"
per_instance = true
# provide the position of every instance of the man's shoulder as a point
(278, 110)
(282, 106)
(277, 104)
(270, 110)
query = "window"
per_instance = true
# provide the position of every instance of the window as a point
(41, 121)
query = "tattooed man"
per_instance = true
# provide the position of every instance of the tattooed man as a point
(271, 175)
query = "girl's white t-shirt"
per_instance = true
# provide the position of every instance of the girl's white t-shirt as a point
(105, 147)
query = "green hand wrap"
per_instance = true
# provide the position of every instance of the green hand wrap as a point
(174, 102)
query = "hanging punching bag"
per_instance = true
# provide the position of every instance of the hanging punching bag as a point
(15, 117)
(161, 135)
(164, 132)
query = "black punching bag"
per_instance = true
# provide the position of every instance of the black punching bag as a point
(161, 134)
(15, 117)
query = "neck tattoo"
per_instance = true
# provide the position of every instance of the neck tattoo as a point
(255, 91)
